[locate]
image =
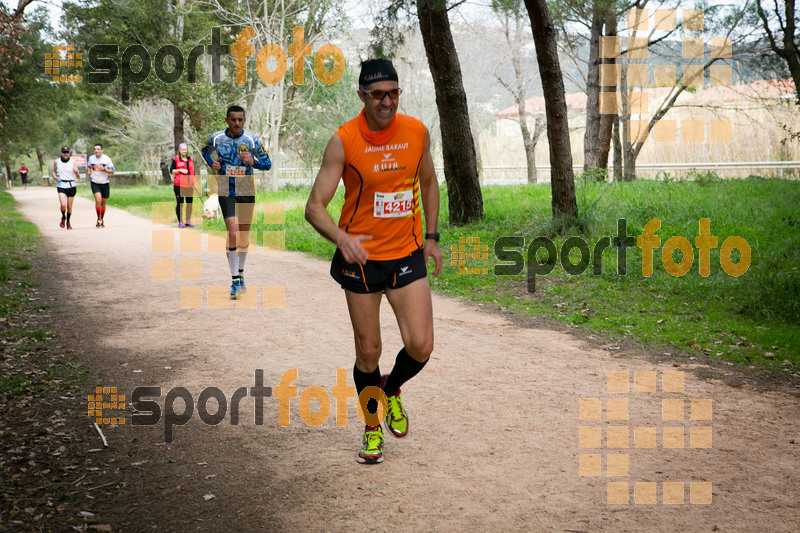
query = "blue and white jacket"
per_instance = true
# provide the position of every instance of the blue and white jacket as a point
(228, 150)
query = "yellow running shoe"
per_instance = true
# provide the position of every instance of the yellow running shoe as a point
(396, 417)
(372, 446)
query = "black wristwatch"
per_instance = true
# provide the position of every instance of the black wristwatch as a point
(434, 236)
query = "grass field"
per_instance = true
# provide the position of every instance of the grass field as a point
(752, 319)
(28, 369)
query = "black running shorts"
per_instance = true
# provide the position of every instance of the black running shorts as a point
(69, 191)
(228, 205)
(376, 276)
(101, 188)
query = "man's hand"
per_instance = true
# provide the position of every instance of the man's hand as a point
(246, 157)
(353, 251)
(432, 250)
(216, 166)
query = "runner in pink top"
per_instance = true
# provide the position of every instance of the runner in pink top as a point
(182, 170)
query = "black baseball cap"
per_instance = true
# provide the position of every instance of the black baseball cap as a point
(65, 149)
(374, 70)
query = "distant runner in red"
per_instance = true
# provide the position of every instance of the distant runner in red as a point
(23, 175)
(98, 169)
(182, 170)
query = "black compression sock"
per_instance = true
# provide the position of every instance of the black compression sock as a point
(405, 368)
(367, 379)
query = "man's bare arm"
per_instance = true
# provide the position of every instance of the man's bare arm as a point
(330, 172)
(429, 191)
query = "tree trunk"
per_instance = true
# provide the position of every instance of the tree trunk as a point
(628, 156)
(591, 137)
(530, 147)
(527, 140)
(178, 135)
(617, 149)
(607, 120)
(8, 174)
(790, 52)
(274, 144)
(478, 154)
(45, 172)
(164, 164)
(276, 123)
(464, 196)
(539, 125)
(177, 126)
(125, 91)
(561, 177)
(629, 174)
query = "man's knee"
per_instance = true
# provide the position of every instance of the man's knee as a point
(420, 349)
(367, 356)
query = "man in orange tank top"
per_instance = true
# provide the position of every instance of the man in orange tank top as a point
(384, 159)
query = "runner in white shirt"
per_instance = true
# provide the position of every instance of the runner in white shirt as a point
(98, 169)
(65, 172)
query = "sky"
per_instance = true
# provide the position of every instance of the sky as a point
(54, 6)
(359, 11)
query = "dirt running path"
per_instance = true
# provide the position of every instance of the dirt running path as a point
(494, 441)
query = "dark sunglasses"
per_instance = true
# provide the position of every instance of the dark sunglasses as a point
(64, 151)
(380, 95)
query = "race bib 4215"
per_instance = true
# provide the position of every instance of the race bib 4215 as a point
(393, 204)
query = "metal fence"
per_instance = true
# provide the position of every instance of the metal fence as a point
(508, 175)
(514, 175)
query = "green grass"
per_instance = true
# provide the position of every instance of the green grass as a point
(140, 199)
(137, 200)
(18, 239)
(739, 319)
(733, 318)
(30, 367)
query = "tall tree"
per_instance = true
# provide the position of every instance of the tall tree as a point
(464, 196)
(12, 50)
(782, 27)
(278, 109)
(607, 120)
(591, 135)
(30, 102)
(565, 206)
(636, 133)
(580, 23)
(510, 14)
(103, 22)
(178, 135)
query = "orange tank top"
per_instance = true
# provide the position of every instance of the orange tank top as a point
(381, 180)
